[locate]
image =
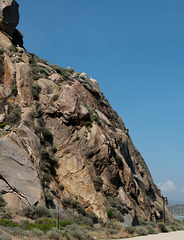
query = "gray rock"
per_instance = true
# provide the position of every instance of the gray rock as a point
(7, 127)
(17, 170)
(2, 117)
(9, 16)
(84, 76)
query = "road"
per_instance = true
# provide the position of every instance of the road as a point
(179, 235)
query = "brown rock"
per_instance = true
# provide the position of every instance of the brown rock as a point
(9, 75)
(5, 42)
(91, 155)
(24, 82)
(67, 101)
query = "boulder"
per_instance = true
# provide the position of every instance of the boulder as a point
(18, 173)
(9, 16)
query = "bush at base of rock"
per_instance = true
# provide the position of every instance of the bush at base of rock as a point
(151, 230)
(162, 227)
(141, 231)
(130, 229)
(36, 212)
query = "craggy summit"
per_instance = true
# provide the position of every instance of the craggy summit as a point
(60, 139)
(9, 16)
(9, 19)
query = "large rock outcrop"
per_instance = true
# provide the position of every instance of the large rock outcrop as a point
(9, 19)
(9, 16)
(59, 137)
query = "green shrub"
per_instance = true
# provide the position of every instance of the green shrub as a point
(35, 69)
(38, 113)
(17, 111)
(37, 212)
(36, 232)
(130, 229)
(29, 212)
(77, 138)
(48, 196)
(48, 164)
(5, 237)
(77, 232)
(2, 201)
(53, 149)
(65, 72)
(42, 224)
(112, 231)
(17, 231)
(35, 77)
(8, 223)
(119, 161)
(98, 183)
(141, 231)
(1, 51)
(87, 124)
(93, 216)
(46, 177)
(55, 97)
(179, 225)
(173, 228)
(65, 222)
(36, 89)
(41, 211)
(162, 227)
(45, 167)
(54, 161)
(82, 220)
(71, 203)
(47, 135)
(109, 213)
(12, 48)
(14, 90)
(6, 214)
(45, 155)
(51, 234)
(151, 230)
(61, 187)
(152, 224)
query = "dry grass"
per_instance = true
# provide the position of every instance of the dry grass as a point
(103, 234)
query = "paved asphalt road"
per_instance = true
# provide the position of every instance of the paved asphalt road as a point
(179, 235)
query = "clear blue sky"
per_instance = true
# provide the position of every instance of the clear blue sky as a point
(135, 50)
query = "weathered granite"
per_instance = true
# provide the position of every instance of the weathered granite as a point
(74, 125)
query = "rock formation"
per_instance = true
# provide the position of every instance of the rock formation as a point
(9, 19)
(59, 137)
(9, 16)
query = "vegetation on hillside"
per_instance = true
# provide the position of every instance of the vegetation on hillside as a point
(74, 223)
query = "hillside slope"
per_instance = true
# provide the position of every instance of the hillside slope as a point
(59, 137)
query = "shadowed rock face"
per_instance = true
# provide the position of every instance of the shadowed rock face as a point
(57, 129)
(9, 16)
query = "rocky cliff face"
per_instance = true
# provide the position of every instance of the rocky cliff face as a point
(59, 137)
